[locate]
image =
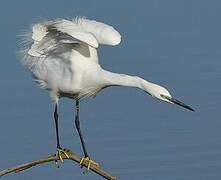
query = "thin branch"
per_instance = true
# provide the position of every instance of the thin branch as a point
(71, 155)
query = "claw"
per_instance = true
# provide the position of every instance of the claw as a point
(90, 162)
(56, 163)
(59, 155)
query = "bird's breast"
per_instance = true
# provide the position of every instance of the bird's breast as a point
(80, 78)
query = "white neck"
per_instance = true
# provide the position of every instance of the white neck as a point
(115, 79)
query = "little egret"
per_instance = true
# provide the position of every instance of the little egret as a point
(62, 56)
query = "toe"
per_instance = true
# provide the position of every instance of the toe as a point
(59, 153)
(65, 154)
(56, 163)
(90, 163)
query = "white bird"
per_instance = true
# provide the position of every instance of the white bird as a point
(63, 60)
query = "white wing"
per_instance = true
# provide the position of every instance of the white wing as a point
(89, 31)
(75, 31)
(105, 34)
(48, 36)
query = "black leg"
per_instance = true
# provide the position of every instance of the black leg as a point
(77, 123)
(59, 151)
(56, 124)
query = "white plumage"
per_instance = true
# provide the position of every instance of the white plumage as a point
(63, 59)
(61, 49)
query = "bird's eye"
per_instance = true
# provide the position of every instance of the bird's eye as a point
(163, 96)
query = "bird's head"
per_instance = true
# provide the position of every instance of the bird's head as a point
(163, 94)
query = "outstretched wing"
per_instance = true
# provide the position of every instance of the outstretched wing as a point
(49, 35)
(60, 35)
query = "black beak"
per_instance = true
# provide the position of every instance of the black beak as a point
(175, 101)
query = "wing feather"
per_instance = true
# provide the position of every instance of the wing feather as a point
(105, 34)
(61, 35)
(76, 31)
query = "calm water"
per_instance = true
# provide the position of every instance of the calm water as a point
(132, 136)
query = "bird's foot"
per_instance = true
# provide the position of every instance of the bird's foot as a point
(90, 162)
(59, 153)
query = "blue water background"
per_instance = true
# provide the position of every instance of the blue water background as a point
(173, 43)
